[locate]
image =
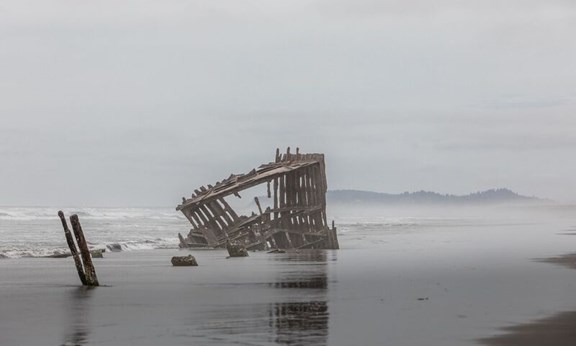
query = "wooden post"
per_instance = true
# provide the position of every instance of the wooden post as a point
(89, 271)
(73, 249)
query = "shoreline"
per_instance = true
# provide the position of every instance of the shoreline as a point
(557, 330)
(440, 281)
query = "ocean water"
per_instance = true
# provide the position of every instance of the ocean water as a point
(38, 232)
(403, 276)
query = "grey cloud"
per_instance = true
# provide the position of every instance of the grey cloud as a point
(130, 103)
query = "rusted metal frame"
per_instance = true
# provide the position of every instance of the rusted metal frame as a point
(222, 212)
(202, 215)
(299, 187)
(195, 216)
(298, 181)
(280, 210)
(282, 197)
(321, 233)
(295, 221)
(297, 213)
(197, 233)
(240, 235)
(190, 213)
(272, 241)
(324, 187)
(189, 217)
(288, 221)
(203, 225)
(245, 223)
(295, 196)
(276, 195)
(229, 209)
(268, 236)
(307, 197)
(295, 218)
(282, 240)
(312, 191)
(311, 245)
(320, 193)
(206, 195)
(215, 222)
(216, 213)
(301, 197)
(257, 201)
(219, 214)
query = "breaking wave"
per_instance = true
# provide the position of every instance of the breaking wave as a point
(29, 214)
(49, 251)
(37, 232)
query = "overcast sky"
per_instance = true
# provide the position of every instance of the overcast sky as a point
(137, 103)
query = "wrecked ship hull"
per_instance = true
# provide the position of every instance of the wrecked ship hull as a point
(296, 219)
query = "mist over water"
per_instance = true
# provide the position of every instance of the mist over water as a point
(432, 276)
(37, 232)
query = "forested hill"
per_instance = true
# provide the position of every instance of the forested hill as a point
(493, 196)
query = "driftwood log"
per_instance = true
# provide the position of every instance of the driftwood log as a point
(83, 262)
(73, 250)
(236, 250)
(184, 261)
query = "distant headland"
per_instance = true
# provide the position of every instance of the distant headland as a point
(492, 196)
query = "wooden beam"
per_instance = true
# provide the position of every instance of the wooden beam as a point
(89, 271)
(73, 249)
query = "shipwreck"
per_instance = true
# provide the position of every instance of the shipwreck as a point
(295, 218)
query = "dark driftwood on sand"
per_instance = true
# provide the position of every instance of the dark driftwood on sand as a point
(89, 271)
(73, 249)
(184, 261)
(236, 250)
(82, 260)
(297, 219)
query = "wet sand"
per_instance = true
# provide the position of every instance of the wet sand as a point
(260, 300)
(558, 330)
(568, 260)
(444, 283)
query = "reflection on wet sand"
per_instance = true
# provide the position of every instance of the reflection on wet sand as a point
(291, 310)
(558, 330)
(302, 322)
(78, 309)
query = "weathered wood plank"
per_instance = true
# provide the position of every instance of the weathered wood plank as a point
(89, 271)
(73, 250)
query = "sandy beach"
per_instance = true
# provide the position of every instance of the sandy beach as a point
(434, 281)
(558, 329)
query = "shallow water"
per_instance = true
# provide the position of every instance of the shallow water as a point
(401, 278)
(37, 232)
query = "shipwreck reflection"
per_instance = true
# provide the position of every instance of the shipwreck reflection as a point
(300, 323)
(305, 321)
(78, 310)
(289, 306)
